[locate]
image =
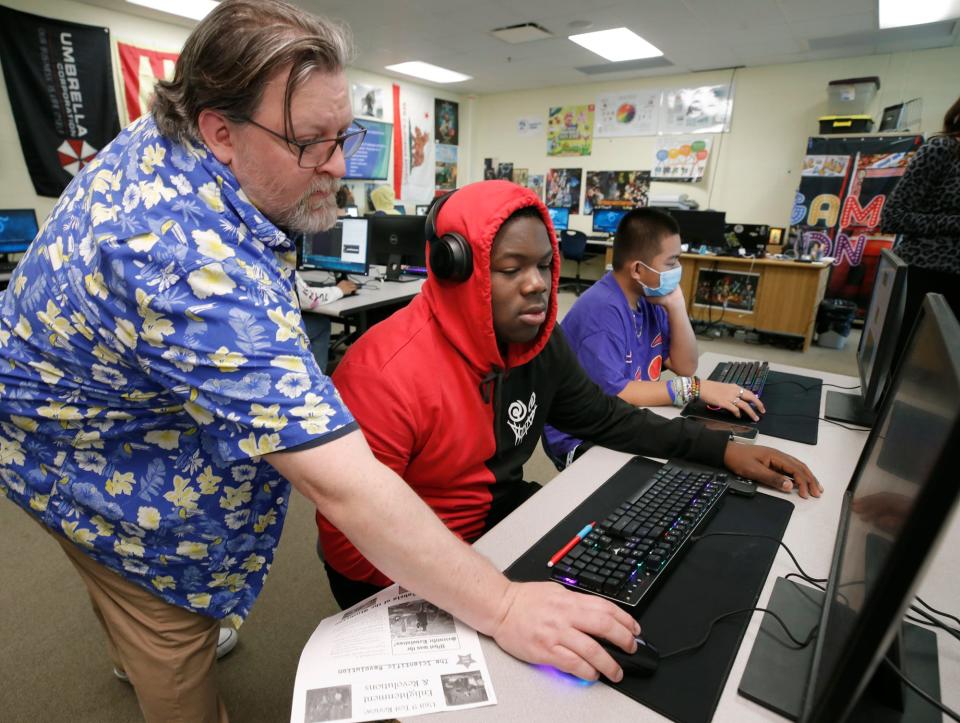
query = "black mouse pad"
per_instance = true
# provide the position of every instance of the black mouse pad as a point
(792, 403)
(709, 578)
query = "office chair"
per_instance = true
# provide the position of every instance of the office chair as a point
(573, 246)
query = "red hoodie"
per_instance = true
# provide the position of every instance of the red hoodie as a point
(439, 404)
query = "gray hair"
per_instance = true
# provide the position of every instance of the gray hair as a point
(233, 52)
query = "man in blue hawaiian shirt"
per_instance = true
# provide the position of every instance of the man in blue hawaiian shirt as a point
(157, 395)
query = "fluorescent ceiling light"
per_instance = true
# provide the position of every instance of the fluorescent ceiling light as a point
(897, 13)
(426, 71)
(193, 9)
(617, 44)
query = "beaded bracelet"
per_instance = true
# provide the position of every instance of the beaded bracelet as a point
(683, 390)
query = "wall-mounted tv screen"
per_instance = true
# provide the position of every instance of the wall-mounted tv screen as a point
(372, 159)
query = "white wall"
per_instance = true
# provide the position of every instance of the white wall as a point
(754, 170)
(16, 189)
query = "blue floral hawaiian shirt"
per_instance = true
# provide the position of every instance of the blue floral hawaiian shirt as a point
(151, 351)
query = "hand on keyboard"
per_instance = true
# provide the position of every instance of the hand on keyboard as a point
(546, 624)
(735, 399)
(347, 287)
(772, 468)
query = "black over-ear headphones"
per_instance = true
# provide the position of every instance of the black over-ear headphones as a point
(451, 258)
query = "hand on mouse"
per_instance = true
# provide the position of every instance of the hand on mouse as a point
(772, 468)
(347, 287)
(733, 398)
(544, 623)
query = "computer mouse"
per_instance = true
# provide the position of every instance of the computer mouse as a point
(640, 664)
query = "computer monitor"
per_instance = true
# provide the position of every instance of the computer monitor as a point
(698, 228)
(342, 249)
(352, 211)
(18, 227)
(560, 217)
(422, 209)
(372, 159)
(878, 345)
(607, 220)
(751, 237)
(902, 494)
(399, 243)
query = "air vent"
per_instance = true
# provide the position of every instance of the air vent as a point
(644, 64)
(522, 33)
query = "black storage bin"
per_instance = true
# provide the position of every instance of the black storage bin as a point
(845, 124)
(834, 321)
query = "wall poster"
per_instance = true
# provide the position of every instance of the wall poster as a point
(570, 130)
(446, 175)
(633, 113)
(696, 110)
(563, 188)
(448, 121)
(681, 158)
(733, 290)
(616, 189)
(367, 100)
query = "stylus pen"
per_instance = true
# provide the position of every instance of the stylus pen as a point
(570, 545)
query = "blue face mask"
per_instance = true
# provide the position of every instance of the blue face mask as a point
(669, 280)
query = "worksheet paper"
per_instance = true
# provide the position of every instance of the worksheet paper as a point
(392, 655)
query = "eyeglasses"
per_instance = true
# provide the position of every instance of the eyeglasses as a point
(317, 153)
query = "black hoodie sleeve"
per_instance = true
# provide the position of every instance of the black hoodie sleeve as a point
(580, 408)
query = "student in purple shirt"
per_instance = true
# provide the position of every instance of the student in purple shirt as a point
(632, 324)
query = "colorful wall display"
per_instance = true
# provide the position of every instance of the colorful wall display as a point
(563, 188)
(447, 114)
(733, 290)
(681, 158)
(616, 189)
(520, 176)
(536, 183)
(414, 177)
(844, 185)
(570, 130)
(505, 171)
(633, 113)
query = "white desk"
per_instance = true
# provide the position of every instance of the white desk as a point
(526, 693)
(379, 293)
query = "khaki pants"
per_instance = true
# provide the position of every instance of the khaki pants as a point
(167, 652)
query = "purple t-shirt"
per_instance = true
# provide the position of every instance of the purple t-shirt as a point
(615, 345)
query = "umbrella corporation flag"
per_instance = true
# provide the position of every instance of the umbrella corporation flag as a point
(60, 82)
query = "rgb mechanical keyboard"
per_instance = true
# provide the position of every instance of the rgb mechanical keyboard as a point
(749, 375)
(622, 557)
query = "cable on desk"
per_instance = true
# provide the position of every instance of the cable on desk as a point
(781, 543)
(799, 644)
(922, 693)
(809, 416)
(806, 387)
(938, 612)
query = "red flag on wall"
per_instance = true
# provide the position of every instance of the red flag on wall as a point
(141, 69)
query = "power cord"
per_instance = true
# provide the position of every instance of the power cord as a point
(811, 636)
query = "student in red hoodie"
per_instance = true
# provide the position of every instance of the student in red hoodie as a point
(453, 391)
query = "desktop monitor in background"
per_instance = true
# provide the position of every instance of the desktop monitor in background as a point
(399, 243)
(606, 220)
(699, 228)
(422, 209)
(560, 217)
(18, 227)
(876, 353)
(352, 211)
(899, 501)
(372, 159)
(342, 249)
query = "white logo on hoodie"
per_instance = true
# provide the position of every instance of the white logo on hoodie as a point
(520, 417)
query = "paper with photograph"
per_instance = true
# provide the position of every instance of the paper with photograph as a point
(394, 654)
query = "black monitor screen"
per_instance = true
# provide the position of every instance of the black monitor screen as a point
(606, 220)
(881, 328)
(895, 507)
(342, 248)
(18, 227)
(560, 217)
(398, 236)
(700, 227)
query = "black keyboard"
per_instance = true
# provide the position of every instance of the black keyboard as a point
(622, 557)
(749, 375)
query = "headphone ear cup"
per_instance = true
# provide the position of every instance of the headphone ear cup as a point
(451, 258)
